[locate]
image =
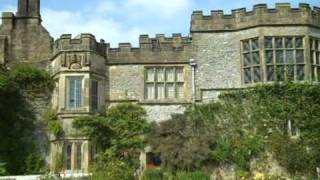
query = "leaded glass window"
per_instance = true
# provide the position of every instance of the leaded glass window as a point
(75, 92)
(94, 95)
(315, 59)
(251, 61)
(284, 58)
(164, 83)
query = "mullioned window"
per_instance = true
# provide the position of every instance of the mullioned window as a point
(163, 83)
(274, 59)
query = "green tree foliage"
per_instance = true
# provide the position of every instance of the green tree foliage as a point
(180, 147)
(243, 125)
(17, 120)
(179, 175)
(52, 122)
(113, 169)
(121, 134)
(3, 170)
(122, 130)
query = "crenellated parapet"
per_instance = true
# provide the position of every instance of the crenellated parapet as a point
(84, 42)
(159, 49)
(160, 42)
(261, 15)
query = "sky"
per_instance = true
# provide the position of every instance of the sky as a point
(124, 20)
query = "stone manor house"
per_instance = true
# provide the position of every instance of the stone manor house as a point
(222, 52)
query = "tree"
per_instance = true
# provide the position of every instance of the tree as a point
(18, 119)
(122, 134)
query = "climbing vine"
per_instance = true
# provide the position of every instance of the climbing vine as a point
(281, 119)
(18, 122)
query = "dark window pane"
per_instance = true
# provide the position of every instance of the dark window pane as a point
(94, 95)
(246, 46)
(269, 57)
(256, 58)
(246, 59)
(79, 157)
(289, 43)
(299, 43)
(316, 45)
(300, 56)
(270, 73)
(68, 158)
(257, 74)
(279, 43)
(280, 73)
(318, 58)
(300, 72)
(289, 57)
(279, 56)
(247, 75)
(290, 72)
(268, 43)
(255, 44)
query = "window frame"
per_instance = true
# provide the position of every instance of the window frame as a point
(251, 66)
(269, 69)
(176, 83)
(76, 105)
(315, 59)
(284, 49)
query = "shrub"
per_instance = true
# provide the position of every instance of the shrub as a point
(120, 132)
(152, 175)
(114, 169)
(197, 175)
(3, 170)
(52, 122)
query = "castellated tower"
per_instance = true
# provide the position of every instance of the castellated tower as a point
(22, 37)
(78, 68)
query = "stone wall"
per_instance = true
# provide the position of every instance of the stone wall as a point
(126, 84)
(28, 40)
(220, 68)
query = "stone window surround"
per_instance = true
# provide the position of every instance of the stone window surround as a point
(262, 56)
(165, 100)
(75, 156)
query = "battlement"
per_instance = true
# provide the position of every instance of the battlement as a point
(261, 15)
(83, 42)
(159, 43)
(149, 50)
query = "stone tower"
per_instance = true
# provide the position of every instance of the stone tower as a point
(29, 8)
(22, 37)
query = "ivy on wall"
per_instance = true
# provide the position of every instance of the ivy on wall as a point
(18, 152)
(244, 125)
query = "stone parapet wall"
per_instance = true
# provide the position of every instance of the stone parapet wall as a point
(84, 42)
(160, 49)
(261, 15)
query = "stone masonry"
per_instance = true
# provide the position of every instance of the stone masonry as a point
(164, 74)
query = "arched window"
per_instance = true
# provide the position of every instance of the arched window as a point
(68, 158)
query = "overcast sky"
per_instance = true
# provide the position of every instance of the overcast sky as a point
(124, 20)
